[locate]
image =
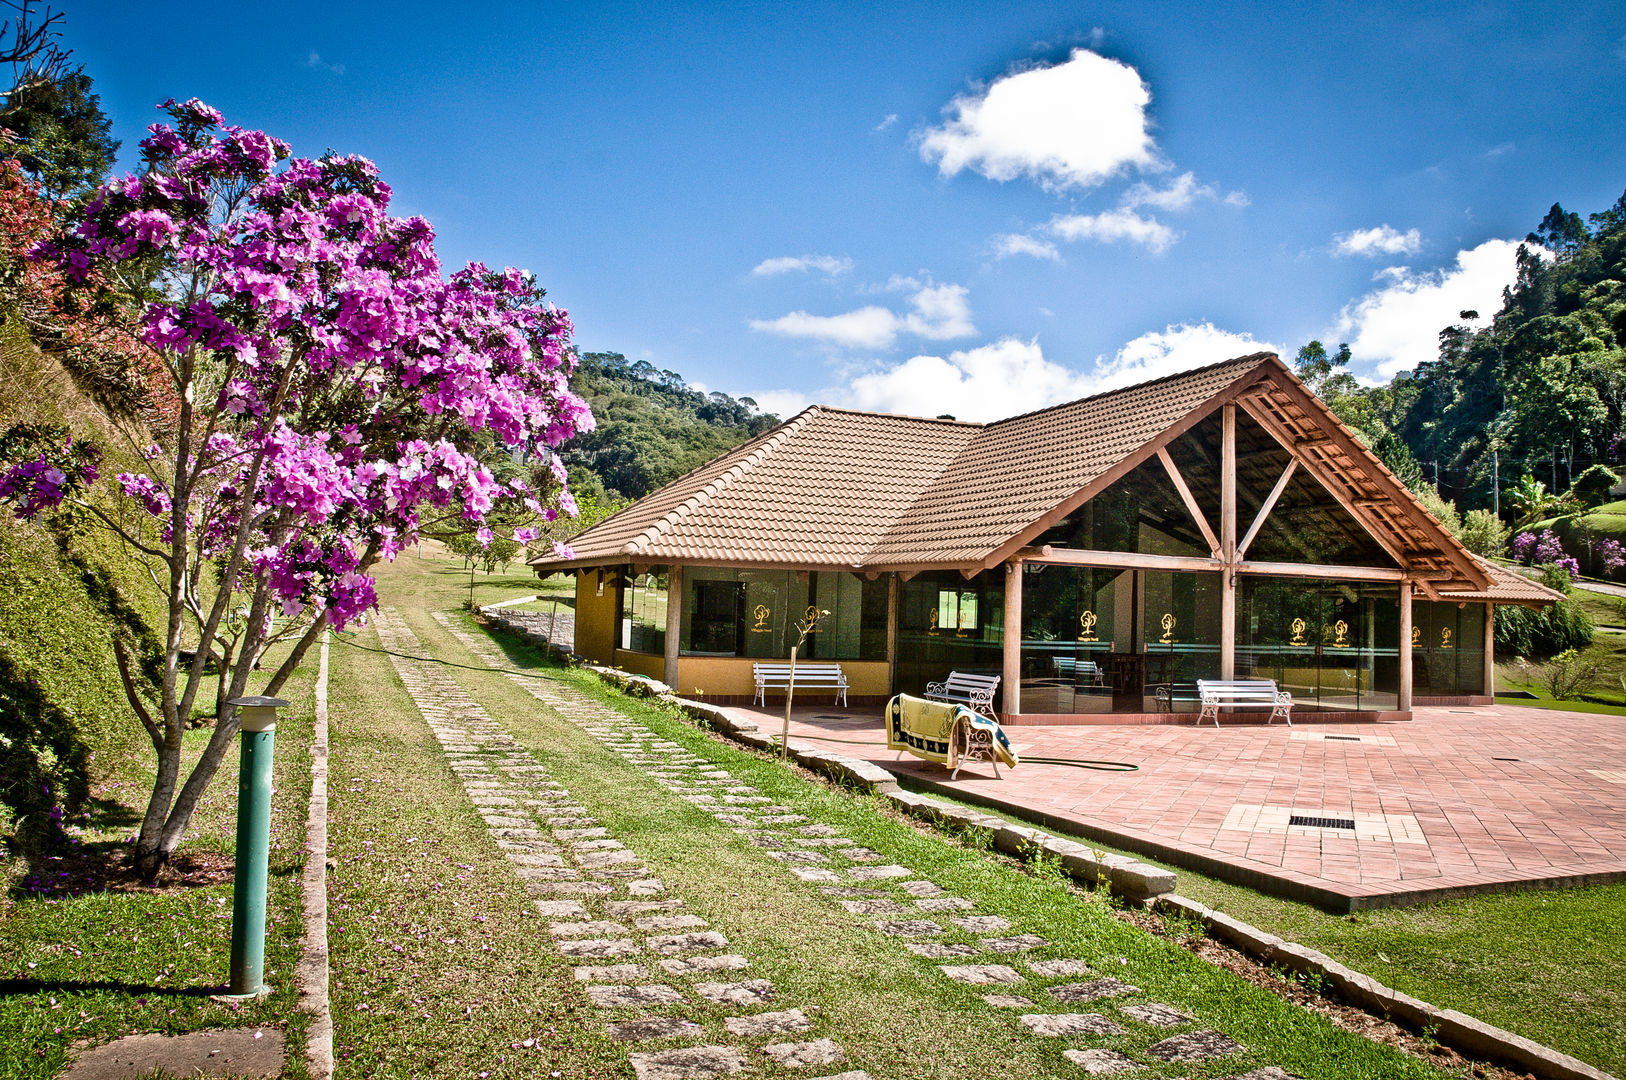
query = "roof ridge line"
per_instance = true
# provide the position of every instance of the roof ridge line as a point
(669, 520)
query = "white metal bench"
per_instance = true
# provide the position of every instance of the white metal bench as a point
(1086, 670)
(1217, 694)
(808, 677)
(973, 691)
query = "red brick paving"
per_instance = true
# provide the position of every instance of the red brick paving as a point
(1489, 824)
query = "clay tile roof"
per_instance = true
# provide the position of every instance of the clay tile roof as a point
(1017, 470)
(820, 490)
(1507, 587)
(841, 488)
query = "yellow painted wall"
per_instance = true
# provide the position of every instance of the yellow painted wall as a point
(641, 663)
(732, 675)
(596, 618)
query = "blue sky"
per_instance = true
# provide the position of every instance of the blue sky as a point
(966, 208)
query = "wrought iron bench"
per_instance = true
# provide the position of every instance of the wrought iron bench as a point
(1217, 694)
(808, 677)
(1170, 694)
(976, 692)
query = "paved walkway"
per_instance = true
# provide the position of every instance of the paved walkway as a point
(655, 970)
(1459, 799)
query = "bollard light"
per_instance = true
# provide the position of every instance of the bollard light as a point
(257, 717)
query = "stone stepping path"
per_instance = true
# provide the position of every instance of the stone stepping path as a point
(636, 948)
(891, 900)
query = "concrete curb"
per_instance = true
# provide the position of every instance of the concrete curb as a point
(312, 969)
(1451, 1028)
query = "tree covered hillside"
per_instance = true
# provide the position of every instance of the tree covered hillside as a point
(652, 427)
(1539, 394)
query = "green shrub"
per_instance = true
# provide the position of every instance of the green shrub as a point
(1546, 632)
(1592, 487)
(1483, 533)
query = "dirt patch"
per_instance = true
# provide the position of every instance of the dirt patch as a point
(240, 1052)
(1348, 1017)
(108, 868)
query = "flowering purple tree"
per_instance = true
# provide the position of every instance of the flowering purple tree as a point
(333, 389)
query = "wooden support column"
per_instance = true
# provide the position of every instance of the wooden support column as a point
(1404, 704)
(1228, 541)
(1490, 651)
(1013, 638)
(892, 633)
(674, 624)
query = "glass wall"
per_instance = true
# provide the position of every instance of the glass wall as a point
(643, 614)
(946, 623)
(1448, 648)
(729, 612)
(1331, 644)
(1071, 617)
(1180, 631)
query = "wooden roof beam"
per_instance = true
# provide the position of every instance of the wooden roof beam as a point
(1191, 503)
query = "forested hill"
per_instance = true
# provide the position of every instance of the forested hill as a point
(652, 427)
(1539, 394)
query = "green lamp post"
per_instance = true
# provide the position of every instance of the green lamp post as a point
(257, 717)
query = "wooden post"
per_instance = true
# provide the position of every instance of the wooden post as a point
(1404, 702)
(674, 624)
(790, 692)
(1013, 639)
(1490, 651)
(892, 633)
(1228, 541)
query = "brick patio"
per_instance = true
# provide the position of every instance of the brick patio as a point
(1436, 811)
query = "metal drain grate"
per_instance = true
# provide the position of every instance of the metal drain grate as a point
(1342, 738)
(1322, 822)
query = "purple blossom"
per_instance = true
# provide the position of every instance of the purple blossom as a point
(1549, 549)
(1611, 555)
(1522, 545)
(309, 299)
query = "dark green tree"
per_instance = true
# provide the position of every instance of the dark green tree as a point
(59, 135)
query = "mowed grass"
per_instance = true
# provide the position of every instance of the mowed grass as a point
(892, 1011)
(80, 967)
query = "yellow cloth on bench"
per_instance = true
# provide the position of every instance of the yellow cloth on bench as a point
(927, 729)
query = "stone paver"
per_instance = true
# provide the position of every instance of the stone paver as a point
(803, 1055)
(1056, 1024)
(1194, 1046)
(981, 974)
(1094, 990)
(1101, 1062)
(1155, 1014)
(689, 1063)
(1051, 969)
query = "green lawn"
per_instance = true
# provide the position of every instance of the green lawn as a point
(85, 956)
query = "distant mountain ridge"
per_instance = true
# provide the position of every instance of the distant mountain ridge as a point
(652, 426)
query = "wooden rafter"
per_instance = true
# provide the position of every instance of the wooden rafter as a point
(1186, 497)
(1266, 507)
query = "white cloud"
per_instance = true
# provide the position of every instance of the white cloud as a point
(1382, 240)
(1397, 326)
(1179, 195)
(1012, 376)
(1008, 244)
(1073, 124)
(870, 327)
(999, 379)
(315, 61)
(939, 313)
(788, 264)
(782, 403)
(1112, 226)
(1178, 347)
(891, 118)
